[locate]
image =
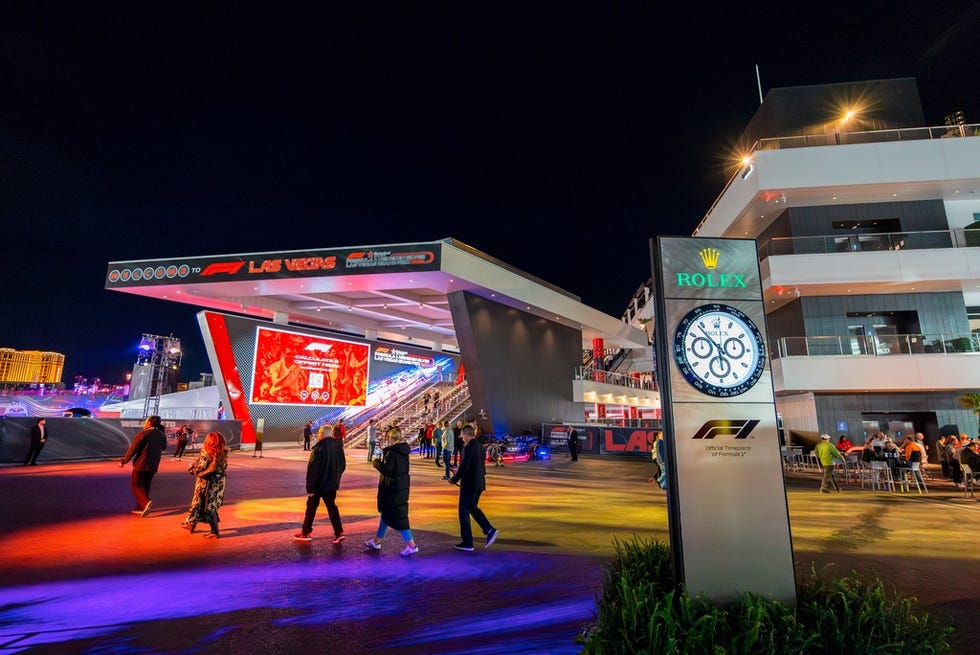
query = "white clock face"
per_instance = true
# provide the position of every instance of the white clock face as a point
(719, 350)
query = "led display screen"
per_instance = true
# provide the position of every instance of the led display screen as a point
(303, 369)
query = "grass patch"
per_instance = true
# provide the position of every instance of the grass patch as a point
(641, 610)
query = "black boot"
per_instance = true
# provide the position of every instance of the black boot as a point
(213, 522)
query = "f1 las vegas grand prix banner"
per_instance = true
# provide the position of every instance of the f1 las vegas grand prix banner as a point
(726, 497)
(302, 369)
(280, 376)
(272, 265)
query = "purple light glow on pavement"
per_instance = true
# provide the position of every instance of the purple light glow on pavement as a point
(311, 596)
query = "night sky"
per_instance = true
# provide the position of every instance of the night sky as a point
(558, 138)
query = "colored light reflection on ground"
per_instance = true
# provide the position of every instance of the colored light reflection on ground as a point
(305, 597)
(80, 574)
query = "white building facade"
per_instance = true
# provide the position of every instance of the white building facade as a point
(866, 227)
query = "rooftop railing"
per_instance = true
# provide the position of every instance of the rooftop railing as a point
(870, 136)
(875, 345)
(848, 138)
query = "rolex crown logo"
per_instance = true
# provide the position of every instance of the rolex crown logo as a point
(716, 324)
(710, 258)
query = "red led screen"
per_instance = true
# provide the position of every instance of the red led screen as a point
(300, 369)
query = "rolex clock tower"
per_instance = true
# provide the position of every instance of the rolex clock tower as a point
(727, 510)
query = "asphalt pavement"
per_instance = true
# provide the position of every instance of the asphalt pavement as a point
(80, 574)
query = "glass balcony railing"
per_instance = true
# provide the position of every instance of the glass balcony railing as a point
(875, 345)
(870, 136)
(868, 242)
(628, 380)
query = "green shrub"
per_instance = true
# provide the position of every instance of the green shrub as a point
(641, 610)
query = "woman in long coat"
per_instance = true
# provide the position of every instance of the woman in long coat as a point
(393, 488)
(209, 488)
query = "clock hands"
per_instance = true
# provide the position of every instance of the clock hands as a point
(719, 365)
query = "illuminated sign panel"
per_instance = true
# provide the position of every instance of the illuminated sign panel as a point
(300, 369)
(275, 265)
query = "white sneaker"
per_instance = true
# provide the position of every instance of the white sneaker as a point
(409, 551)
(372, 544)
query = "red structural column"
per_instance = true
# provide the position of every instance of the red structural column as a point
(598, 358)
(599, 364)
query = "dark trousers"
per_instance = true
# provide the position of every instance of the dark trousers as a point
(32, 454)
(181, 446)
(469, 507)
(447, 457)
(313, 502)
(140, 482)
(828, 482)
(955, 472)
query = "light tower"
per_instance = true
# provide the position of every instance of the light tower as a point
(156, 370)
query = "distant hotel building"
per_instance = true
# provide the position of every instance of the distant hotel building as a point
(868, 233)
(20, 368)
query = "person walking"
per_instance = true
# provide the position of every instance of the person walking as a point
(145, 452)
(421, 440)
(573, 443)
(448, 439)
(471, 478)
(307, 434)
(826, 453)
(457, 442)
(183, 438)
(437, 441)
(372, 440)
(209, 488)
(323, 472)
(39, 436)
(393, 492)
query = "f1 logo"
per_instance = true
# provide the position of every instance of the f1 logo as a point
(725, 428)
(223, 267)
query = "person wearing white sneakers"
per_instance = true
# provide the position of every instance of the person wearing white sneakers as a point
(393, 490)
(471, 476)
(327, 464)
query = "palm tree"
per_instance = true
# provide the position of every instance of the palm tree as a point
(971, 401)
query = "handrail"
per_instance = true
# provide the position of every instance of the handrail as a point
(867, 136)
(869, 242)
(875, 345)
(628, 380)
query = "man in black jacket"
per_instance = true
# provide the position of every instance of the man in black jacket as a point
(471, 478)
(145, 453)
(39, 435)
(327, 464)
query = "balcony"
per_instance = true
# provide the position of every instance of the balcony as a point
(869, 242)
(875, 345)
(591, 385)
(875, 363)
